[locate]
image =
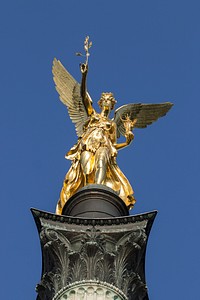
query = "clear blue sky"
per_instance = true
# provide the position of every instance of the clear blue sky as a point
(143, 51)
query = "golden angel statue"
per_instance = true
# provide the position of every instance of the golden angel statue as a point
(94, 155)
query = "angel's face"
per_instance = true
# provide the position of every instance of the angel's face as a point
(107, 102)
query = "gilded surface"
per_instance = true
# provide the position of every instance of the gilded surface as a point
(94, 155)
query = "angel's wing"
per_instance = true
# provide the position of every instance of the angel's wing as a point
(145, 114)
(69, 90)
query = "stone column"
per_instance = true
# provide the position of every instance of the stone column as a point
(93, 258)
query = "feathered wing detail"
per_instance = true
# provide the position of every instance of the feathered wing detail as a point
(69, 90)
(145, 114)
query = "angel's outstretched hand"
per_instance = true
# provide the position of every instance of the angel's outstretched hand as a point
(84, 68)
(129, 137)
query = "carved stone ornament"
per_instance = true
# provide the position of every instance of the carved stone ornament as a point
(107, 251)
(88, 290)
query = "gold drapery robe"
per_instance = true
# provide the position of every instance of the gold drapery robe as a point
(98, 139)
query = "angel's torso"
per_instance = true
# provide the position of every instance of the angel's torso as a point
(100, 132)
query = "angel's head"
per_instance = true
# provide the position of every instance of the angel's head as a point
(107, 101)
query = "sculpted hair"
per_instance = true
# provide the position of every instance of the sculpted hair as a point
(111, 98)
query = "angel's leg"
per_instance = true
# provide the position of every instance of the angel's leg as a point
(87, 165)
(101, 162)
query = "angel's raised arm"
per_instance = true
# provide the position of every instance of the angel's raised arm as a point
(70, 94)
(87, 101)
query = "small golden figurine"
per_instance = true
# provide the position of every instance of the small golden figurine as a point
(94, 155)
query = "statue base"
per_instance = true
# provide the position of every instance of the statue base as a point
(93, 258)
(95, 201)
(94, 250)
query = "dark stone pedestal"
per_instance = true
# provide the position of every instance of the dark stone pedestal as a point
(95, 201)
(93, 258)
